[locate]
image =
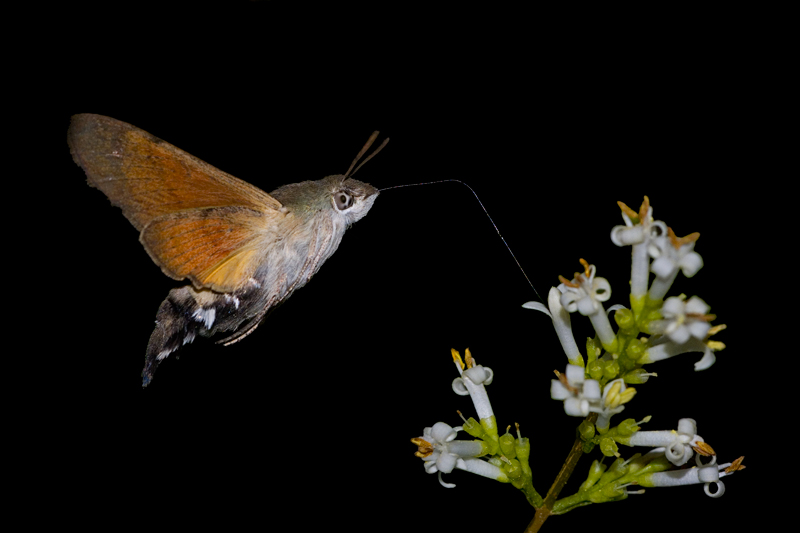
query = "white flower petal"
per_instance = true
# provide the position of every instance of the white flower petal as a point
(575, 375)
(537, 306)
(446, 462)
(591, 389)
(707, 361)
(602, 289)
(672, 306)
(679, 334)
(558, 391)
(442, 432)
(697, 306)
(625, 236)
(698, 328)
(576, 407)
(662, 267)
(690, 264)
(687, 426)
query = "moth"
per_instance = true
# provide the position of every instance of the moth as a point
(242, 250)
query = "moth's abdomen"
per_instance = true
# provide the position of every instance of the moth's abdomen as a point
(186, 313)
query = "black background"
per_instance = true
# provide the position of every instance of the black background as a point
(309, 418)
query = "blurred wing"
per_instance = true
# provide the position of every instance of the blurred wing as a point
(149, 178)
(176, 201)
(217, 247)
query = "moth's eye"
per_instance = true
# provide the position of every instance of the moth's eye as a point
(343, 200)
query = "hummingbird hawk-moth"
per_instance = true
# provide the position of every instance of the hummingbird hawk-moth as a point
(243, 250)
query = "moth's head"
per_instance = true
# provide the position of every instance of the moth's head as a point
(351, 198)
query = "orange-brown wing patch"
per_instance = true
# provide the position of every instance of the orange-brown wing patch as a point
(149, 178)
(216, 248)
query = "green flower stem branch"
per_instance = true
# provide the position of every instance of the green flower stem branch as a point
(543, 512)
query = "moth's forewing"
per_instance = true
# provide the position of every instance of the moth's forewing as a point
(174, 199)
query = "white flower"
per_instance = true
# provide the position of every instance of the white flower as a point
(706, 474)
(442, 453)
(683, 320)
(585, 294)
(672, 254)
(639, 236)
(561, 323)
(472, 382)
(581, 396)
(662, 348)
(676, 445)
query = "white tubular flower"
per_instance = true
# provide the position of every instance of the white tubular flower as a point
(639, 236)
(442, 453)
(615, 394)
(482, 468)
(672, 254)
(472, 383)
(707, 474)
(684, 319)
(663, 348)
(439, 449)
(581, 396)
(585, 294)
(676, 445)
(561, 323)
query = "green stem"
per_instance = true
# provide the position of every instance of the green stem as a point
(543, 512)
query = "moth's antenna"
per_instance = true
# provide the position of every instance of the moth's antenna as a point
(362, 152)
(487, 214)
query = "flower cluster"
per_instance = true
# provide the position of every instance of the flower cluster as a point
(598, 386)
(506, 457)
(675, 325)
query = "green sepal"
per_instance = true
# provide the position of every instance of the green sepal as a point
(608, 447)
(507, 445)
(609, 493)
(595, 369)
(595, 471)
(496, 461)
(636, 376)
(489, 425)
(593, 349)
(635, 349)
(600, 486)
(523, 449)
(611, 370)
(472, 427)
(617, 469)
(514, 472)
(627, 427)
(659, 464)
(578, 361)
(650, 314)
(637, 305)
(624, 319)
(625, 363)
(586, 430)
